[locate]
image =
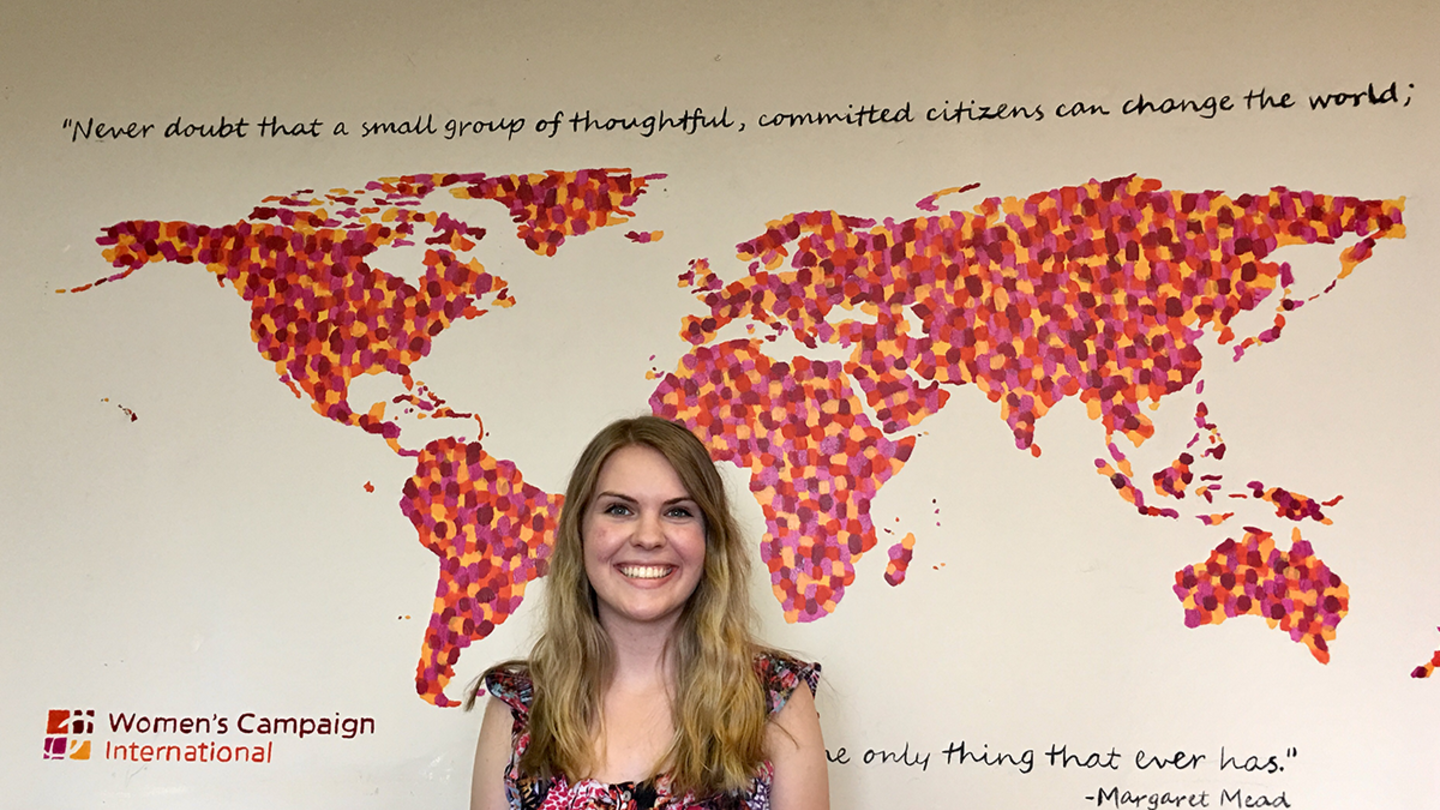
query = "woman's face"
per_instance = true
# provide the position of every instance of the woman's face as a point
(644, 541)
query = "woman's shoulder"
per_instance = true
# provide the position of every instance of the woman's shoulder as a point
(510, 683)
(781, 674)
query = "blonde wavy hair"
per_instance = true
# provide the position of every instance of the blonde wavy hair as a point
(719, 710)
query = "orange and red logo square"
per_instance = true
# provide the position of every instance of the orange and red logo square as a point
(68, 733)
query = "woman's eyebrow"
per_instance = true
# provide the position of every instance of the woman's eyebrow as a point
(626, 498)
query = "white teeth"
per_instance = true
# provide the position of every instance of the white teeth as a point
(645, 571)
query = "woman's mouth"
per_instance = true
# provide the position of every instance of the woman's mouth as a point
(646, 571)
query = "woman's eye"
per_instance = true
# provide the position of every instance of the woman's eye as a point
(618, 509)
(679, 512)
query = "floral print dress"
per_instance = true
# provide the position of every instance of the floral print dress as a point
(781, 676)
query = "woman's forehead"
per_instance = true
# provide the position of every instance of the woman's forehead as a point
(638, 469)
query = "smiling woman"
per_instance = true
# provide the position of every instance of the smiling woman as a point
(644, 540)
(646, 688)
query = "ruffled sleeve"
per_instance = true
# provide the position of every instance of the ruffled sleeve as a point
(514, 689)
(781, 675)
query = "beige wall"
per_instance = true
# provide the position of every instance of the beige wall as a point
(219, 555)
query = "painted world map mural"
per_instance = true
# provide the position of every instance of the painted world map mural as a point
(1100, 291)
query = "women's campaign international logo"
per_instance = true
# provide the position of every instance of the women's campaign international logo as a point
(67, 733)
(246, 737)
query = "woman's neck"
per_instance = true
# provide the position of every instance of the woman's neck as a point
(636, 727)
(641, 650)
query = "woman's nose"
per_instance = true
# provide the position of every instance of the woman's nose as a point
(649, 532)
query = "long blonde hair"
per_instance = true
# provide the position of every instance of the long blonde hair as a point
(719, 709)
